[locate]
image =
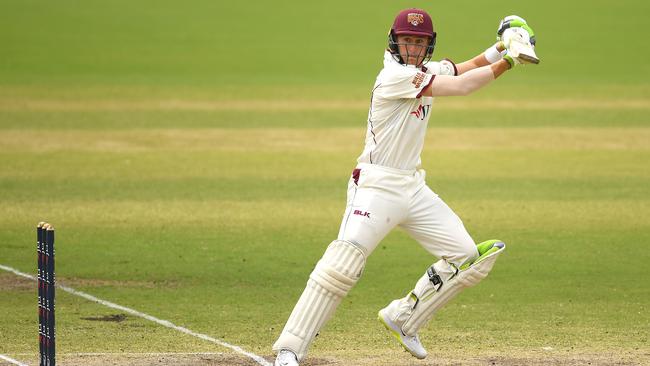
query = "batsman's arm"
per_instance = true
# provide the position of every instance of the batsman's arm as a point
(491, 55)
(472, 80)
(495, 53)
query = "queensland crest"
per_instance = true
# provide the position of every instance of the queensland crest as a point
(415, 18)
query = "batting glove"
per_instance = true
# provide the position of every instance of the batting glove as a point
(519, 47)
(514, 21)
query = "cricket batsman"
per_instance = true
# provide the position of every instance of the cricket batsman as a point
(387, 188)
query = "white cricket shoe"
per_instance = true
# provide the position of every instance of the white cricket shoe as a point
(286, 358)
(410, 343)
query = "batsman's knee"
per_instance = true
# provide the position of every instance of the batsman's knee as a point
(470, 255)
(340, 267)
(473, 272)
(463, 254)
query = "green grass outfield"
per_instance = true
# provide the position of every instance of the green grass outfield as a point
(193, 157)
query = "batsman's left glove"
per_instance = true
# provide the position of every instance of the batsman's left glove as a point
(514, 21)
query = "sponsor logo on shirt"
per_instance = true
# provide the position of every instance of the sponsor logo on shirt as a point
(418, 79)
(422, 111)
(415, 19)
(362, 213)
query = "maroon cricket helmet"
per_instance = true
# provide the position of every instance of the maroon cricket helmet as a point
(415, 22)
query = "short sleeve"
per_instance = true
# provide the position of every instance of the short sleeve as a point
(448, 67)
(444, 67)
(402, 82)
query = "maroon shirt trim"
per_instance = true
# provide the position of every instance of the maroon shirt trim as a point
(453, 64)
(426, 86)
(355, 175)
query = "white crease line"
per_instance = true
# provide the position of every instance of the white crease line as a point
(130, 354)
(144, 354)
(11, 360)
(164, 323)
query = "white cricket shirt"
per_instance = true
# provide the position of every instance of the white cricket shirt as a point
(398, 115)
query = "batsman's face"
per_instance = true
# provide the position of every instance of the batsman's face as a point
(413, 49)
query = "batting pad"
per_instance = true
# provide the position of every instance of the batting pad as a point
(335, 274)
(441, 283)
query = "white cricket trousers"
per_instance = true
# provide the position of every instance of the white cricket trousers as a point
(380, 198)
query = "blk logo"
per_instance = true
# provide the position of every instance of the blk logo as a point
(362, 213)
(421, 112)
